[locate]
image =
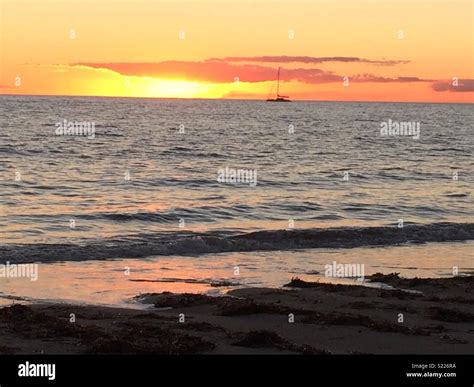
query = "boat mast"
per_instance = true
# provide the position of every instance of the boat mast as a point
(278, 83)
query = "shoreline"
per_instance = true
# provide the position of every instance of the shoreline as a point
(433, 316)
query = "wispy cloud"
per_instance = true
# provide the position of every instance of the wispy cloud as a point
(217, 72)
(310, 59)
(379, 79)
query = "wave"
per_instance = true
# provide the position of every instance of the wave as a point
(9, 149)
(205, 213)
(457, 195)
(180, 243)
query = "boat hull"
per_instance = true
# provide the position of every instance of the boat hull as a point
(278, 100)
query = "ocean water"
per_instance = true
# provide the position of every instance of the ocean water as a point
(147, 185)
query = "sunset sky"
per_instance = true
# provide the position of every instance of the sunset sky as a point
(398, 50)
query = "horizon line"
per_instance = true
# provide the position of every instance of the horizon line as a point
(230, 99)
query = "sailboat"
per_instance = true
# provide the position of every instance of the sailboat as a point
(279, 98)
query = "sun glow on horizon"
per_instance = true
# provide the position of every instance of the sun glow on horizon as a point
(168, 88)
(103, 82)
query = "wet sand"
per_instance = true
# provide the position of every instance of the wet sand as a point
(303, 317)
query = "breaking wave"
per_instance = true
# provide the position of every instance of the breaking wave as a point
(181, 243)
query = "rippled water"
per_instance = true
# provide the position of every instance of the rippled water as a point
(47, 180)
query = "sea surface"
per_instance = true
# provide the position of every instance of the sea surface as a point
(145, 193)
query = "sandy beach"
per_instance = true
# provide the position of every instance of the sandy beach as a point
(426, 316)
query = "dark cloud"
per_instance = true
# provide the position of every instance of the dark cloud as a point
(220, 71)
(464, 85)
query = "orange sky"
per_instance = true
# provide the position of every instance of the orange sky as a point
(389, 50)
